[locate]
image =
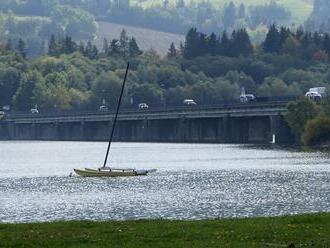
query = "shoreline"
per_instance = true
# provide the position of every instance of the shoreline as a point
(286, 231)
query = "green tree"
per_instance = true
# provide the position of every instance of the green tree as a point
(172, 52)
(317, 131)
(114, 48)
(24, 98)
(106, 86)
(148, 93)
(225, 90)
(192, 44)
(124, 43)
(21, 48)
(273, 86)
(272, 41)
(9, 82)
(133, 48)
(299, 113)
(229, 17)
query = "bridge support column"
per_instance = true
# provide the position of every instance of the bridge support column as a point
(34, 131)
(56, 131)
(181, 133)
(145, 132)
(82, 130)
(280, 128)
(226, 130)
(11, 130)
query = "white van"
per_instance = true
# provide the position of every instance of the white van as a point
(316, 93)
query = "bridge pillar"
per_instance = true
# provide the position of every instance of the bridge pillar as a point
(56, 131)
(181, 131)
(280, 128)
(145, 128)
(82, 130)
(34, 131)
(258, 130)
(226, 130)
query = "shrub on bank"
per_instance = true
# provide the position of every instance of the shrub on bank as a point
(299, 113)
(317, 131)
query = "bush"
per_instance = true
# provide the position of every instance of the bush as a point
(299, 113)
(317, 131)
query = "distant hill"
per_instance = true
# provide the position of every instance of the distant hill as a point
(300, 9)
(146, 38)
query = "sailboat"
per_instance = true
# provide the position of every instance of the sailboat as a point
(107, 171)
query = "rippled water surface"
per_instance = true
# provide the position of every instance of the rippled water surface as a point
(193, 181)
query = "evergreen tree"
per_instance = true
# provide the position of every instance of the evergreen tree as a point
(182, 48)
(317, 38)
(134, 49)
(272, 41)
(229, 17)
(8, 46)
(81, 48)
(114, 48)
(245, 46)
(69, 46)
(172, 52)
(224, 44)
(241, 11)
(124, 43)
(91, 51)
(212, 44)
(21, 48)
(106, 47)
(95, 52)
(283, 36)
(52, 46)
(192, 44)
(299, 33)
(203, 49)
(326, 43)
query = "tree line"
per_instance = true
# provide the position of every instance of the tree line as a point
(79, 76)
(299, 43)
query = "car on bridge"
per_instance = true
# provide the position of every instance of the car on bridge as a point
(34, 111)
(189, 102)
(247, 98)
(316, 93)
(2, 115)
(103, 108)
(143, 106)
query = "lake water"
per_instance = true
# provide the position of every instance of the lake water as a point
(193, 181)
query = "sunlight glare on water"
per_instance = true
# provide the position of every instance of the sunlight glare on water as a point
(193, 181)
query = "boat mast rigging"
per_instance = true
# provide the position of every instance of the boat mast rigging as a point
(116, 116)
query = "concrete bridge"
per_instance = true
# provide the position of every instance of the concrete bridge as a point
(235, 123)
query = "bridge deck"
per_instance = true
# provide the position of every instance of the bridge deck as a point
(234, 110)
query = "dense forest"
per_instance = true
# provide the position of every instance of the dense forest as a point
(35, 21)
(210, 69)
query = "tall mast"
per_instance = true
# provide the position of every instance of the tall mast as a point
(115, 120)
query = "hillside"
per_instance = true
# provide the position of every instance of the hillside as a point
(146, 38)
(300, 9)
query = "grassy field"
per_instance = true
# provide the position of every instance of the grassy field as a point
(300, 9)
(146, 38)
(300, 231)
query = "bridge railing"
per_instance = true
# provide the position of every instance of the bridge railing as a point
(168, 109)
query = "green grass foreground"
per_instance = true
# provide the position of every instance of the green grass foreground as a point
(297, 231)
